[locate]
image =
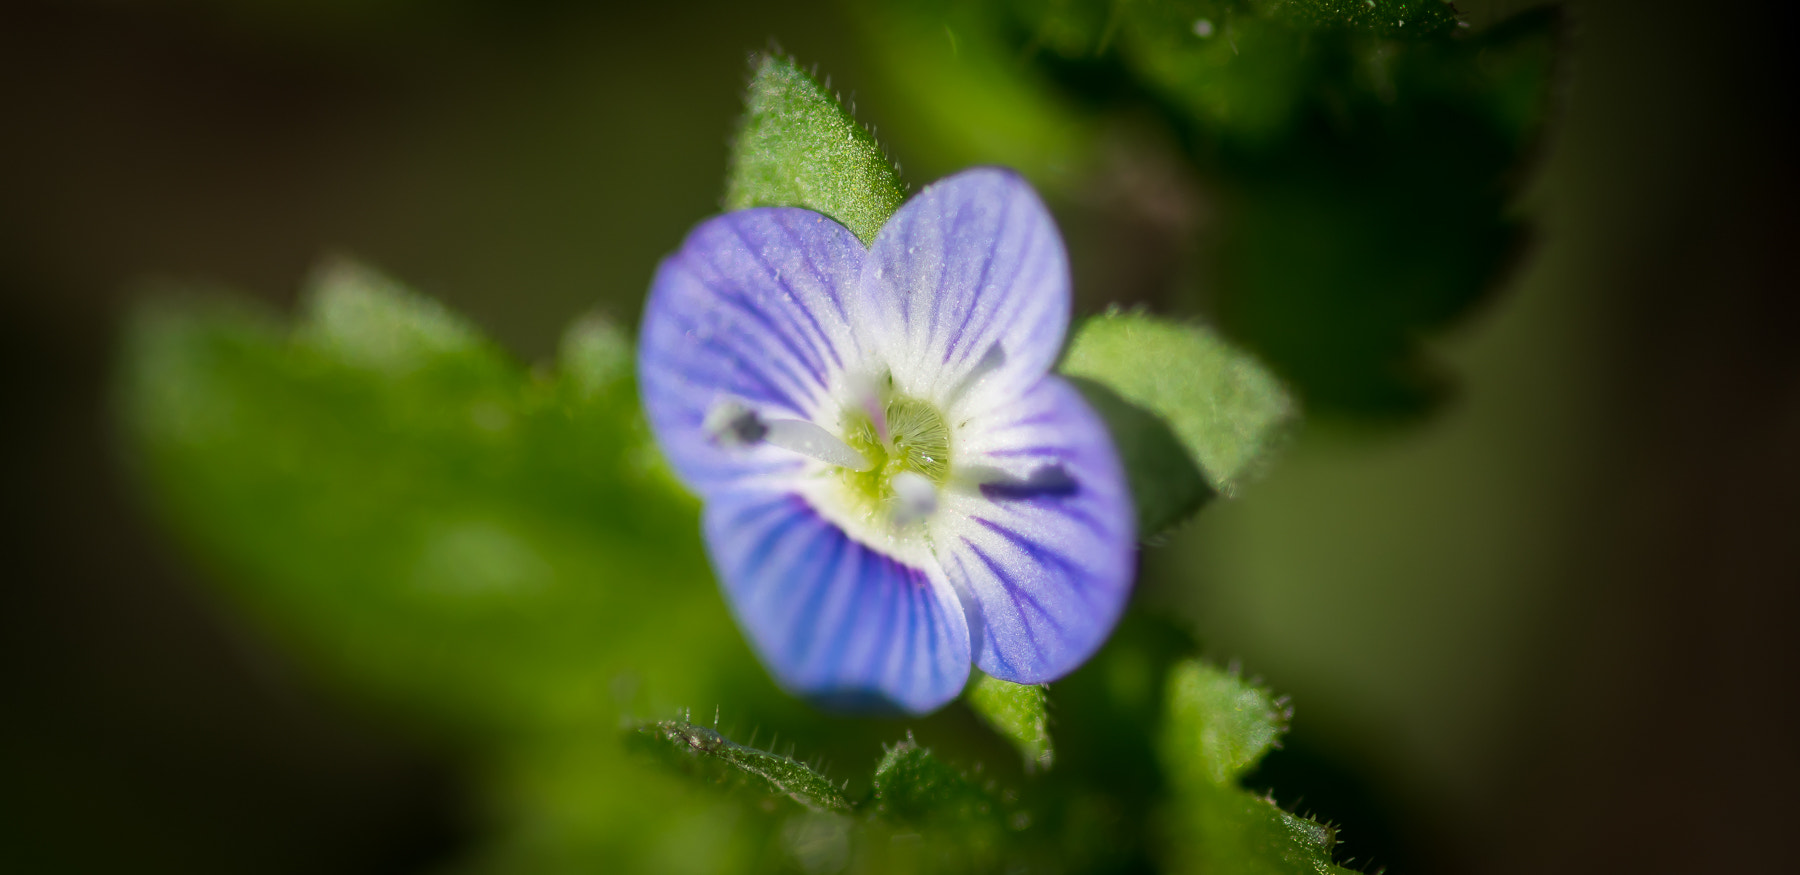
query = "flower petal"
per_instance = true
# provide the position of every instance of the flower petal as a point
(750, 311)
(1042, 553)
(965, 291)
(831, 618)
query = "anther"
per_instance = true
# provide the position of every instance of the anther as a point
(733, 425)
(1044, 480)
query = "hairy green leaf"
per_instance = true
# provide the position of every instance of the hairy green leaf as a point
(960, 823)
(727, 762)
(1217, 726)
(799, 147)
(914, 787)
(1225, 410)
(1020, 712)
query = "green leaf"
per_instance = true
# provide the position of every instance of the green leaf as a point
(960, 95)
(1363, 156)
(1225, 410)
(960, 824)
(914, 787)
(799, 147)
(1217, 726)
(922, 815)
(418, 513)
(364, 319)
(594, 355)
(727, 762)
(492, 554)
(1166, 485)
(1365, 171)
(1019, 712)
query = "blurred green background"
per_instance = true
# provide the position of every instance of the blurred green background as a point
(1545, 626)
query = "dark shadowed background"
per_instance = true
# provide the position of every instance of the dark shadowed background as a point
(1547, 629)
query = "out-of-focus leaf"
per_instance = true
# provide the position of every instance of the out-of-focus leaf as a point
(799, 147)
(1020, 712)
(1216, 727)
(486, 550)
(1366, 172)
(1413, 18)
(407, 504)
(1223, 407)
(1386, 216)
(724, 761)
(594, 356)
(1363, 154)
(966, 98)
(366, 320)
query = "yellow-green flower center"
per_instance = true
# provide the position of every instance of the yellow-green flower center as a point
(917, 440)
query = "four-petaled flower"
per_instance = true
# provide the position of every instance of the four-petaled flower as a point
(894, 483)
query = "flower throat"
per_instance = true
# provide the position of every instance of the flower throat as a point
(906, 435)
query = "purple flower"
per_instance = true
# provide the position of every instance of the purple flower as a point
(895, 484)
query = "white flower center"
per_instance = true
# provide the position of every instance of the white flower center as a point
(885, 462)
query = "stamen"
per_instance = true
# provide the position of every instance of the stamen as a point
(915, 496)
(814, 442)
